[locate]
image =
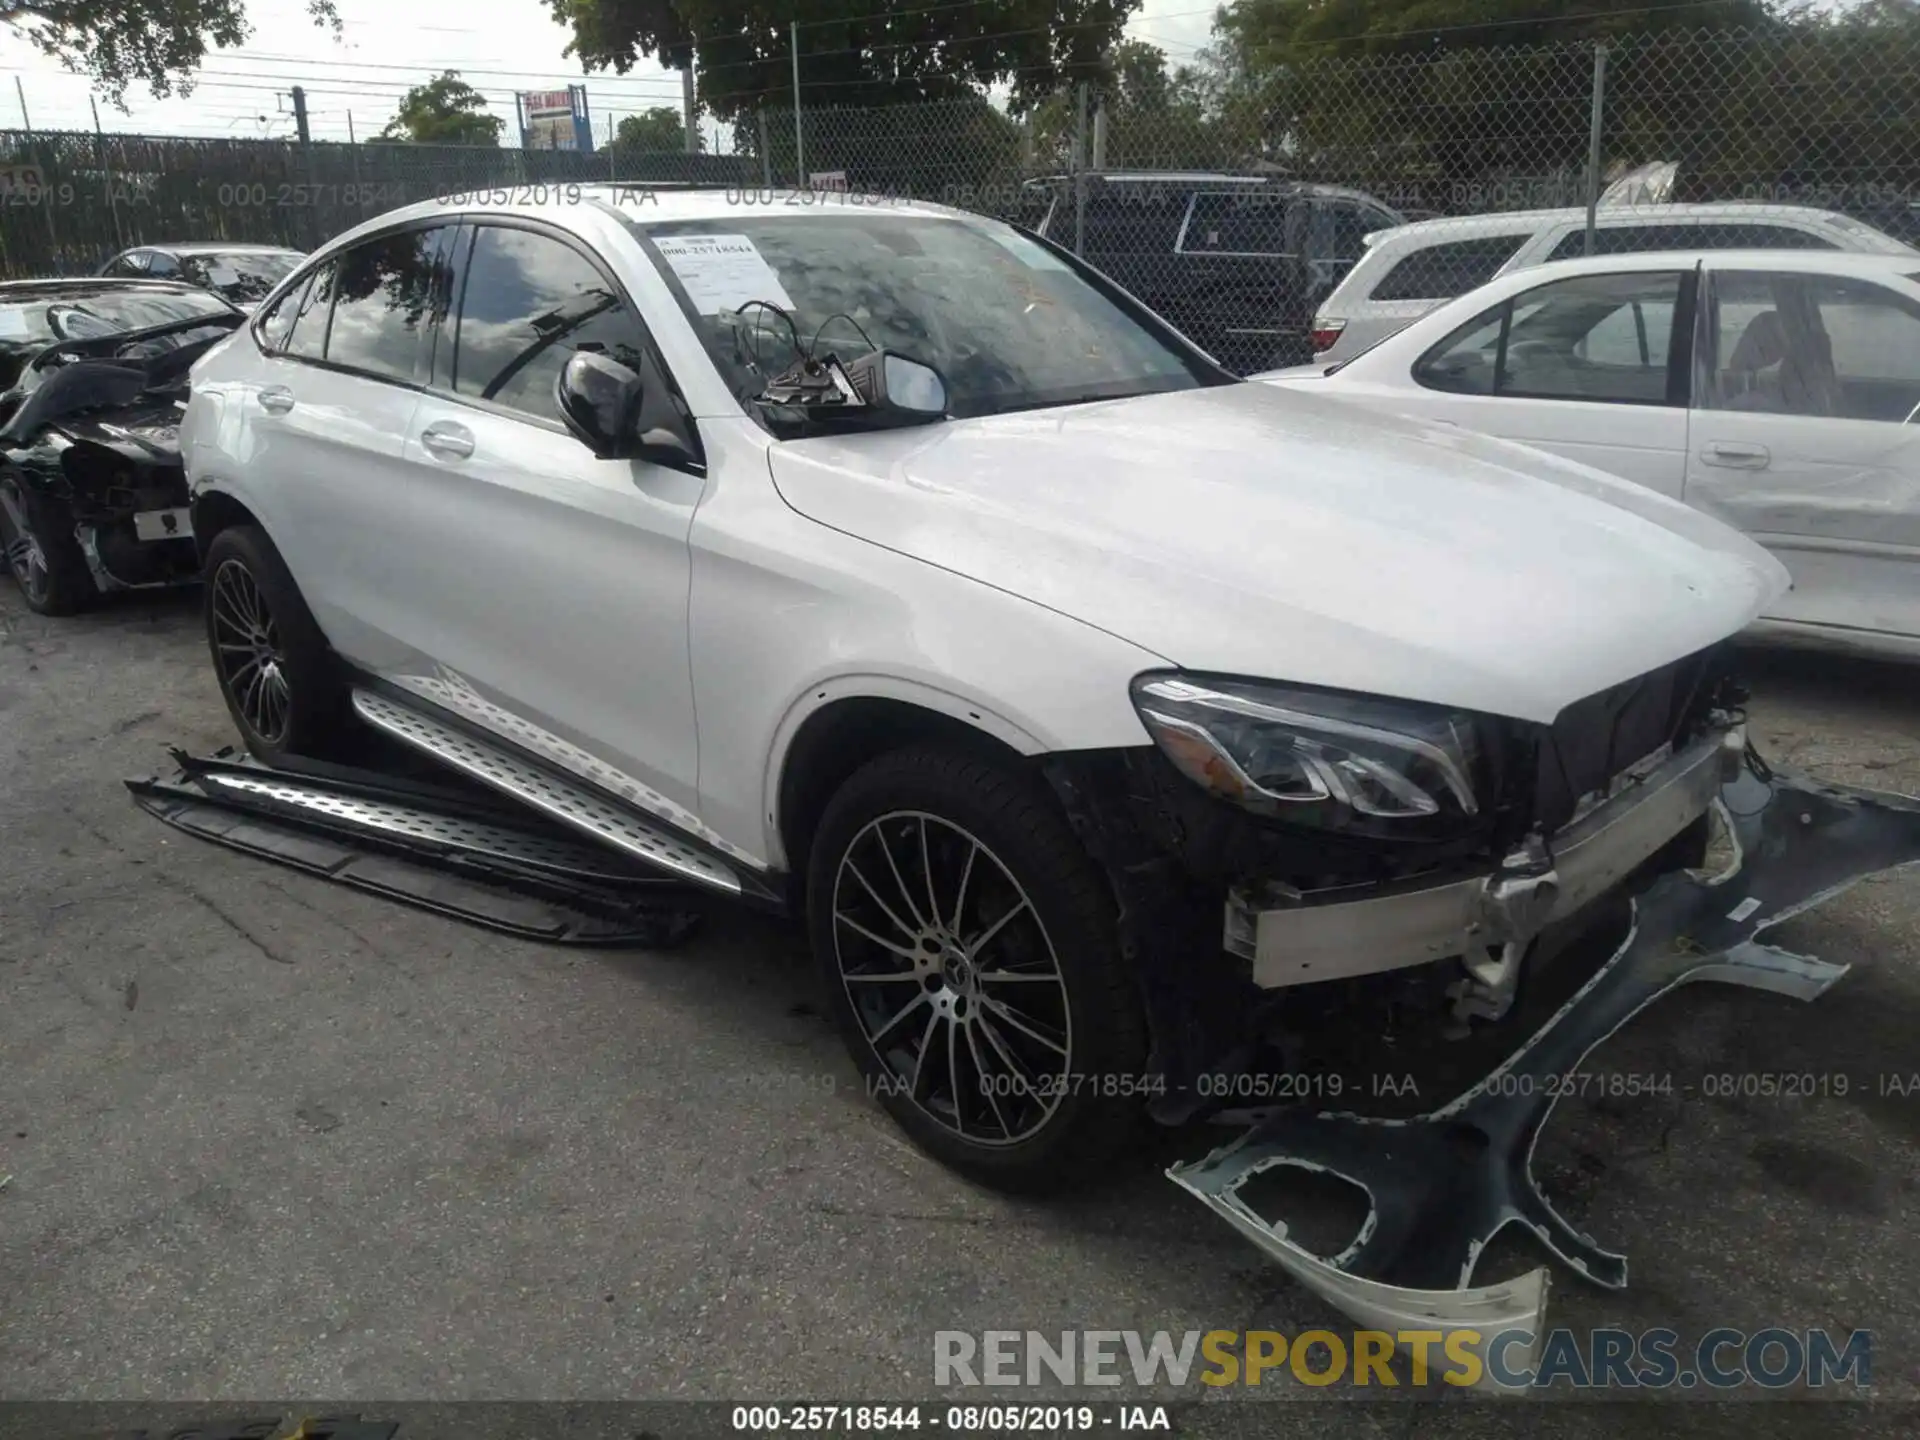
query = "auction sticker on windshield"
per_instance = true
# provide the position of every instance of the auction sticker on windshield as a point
(722, 272)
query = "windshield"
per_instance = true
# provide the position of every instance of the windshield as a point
(238, 276)
(1009, 324)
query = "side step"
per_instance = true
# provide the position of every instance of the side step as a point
(467, 857)
(539, 788)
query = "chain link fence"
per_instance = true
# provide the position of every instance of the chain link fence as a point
(1234, 205)
(1236, 208)
(68, 202)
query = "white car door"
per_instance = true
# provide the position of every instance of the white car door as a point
(326, 410)
(538, 589)
(1803, 438)
(1592, 368)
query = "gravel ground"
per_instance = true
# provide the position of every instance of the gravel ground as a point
(268, 1137)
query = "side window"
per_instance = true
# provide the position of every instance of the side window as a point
(1229, 224)
(1714, 235)
(1595, 337)
(133, 263)
(162, 267)
(276, 323)
(1440, 272)
(1128, 227)
(307, 332)
(529, 302)
(1340, 228)
(384, 302)
(1814, 345)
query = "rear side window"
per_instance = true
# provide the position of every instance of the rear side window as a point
(1340, 228)
(529, 302)
(1440, 272)
(1227, 224)
(1123, 221)
(162, 267)
(1715, 235)
(384, 303)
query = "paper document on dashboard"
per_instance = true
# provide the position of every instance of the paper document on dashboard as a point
(722, 272)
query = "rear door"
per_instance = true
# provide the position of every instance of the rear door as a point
(539, 589)
(1803, 436)
(1239, 277)
(328, 410)
(1595, 368)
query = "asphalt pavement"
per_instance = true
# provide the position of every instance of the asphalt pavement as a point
(270, 1137)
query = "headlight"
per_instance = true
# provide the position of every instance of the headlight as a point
(1315, 757)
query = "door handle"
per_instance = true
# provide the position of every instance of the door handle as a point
(276, 399)
(1733, 456)
(447, 440)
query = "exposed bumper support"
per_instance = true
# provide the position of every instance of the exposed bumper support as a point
(1441, 1185)
(1423, 923)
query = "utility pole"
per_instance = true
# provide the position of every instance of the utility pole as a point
(300, 114)
(1593, 142)
(799, 145)
(100, 159)
(46, 179)
(688, 106)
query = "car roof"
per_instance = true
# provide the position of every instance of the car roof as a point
(647, 203)
(1825, 262)
(1502, 222)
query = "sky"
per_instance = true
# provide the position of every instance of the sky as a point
(356, 81)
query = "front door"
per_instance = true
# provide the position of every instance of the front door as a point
(543, 591)
(1592, 368)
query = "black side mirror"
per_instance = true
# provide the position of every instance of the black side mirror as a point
(621, 415)
(599, 401)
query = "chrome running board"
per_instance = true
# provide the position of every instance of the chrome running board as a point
(535, 786)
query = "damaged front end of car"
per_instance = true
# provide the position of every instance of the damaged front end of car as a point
(1347, 941)
(93, 495)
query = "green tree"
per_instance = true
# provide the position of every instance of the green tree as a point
(1263, 34)
(444, 111)
(661, 128)
(851, 53)
(158, 43)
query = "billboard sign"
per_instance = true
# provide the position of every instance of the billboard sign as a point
(554, 119)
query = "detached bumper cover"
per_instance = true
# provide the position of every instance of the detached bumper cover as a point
(1441, 1185)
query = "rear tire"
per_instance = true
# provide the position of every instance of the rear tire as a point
(46, 562)
(970, 951)
(280, 679)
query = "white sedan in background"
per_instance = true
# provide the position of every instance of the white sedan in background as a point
(1776, 390)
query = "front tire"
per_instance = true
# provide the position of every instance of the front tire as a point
(970, 951)
(36, 533)
(277, 674)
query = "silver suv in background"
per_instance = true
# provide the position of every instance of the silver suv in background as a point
(1412, 269)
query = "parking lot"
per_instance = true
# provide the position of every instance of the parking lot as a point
(271, 1137)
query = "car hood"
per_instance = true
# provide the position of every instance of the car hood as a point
(1251, 530)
